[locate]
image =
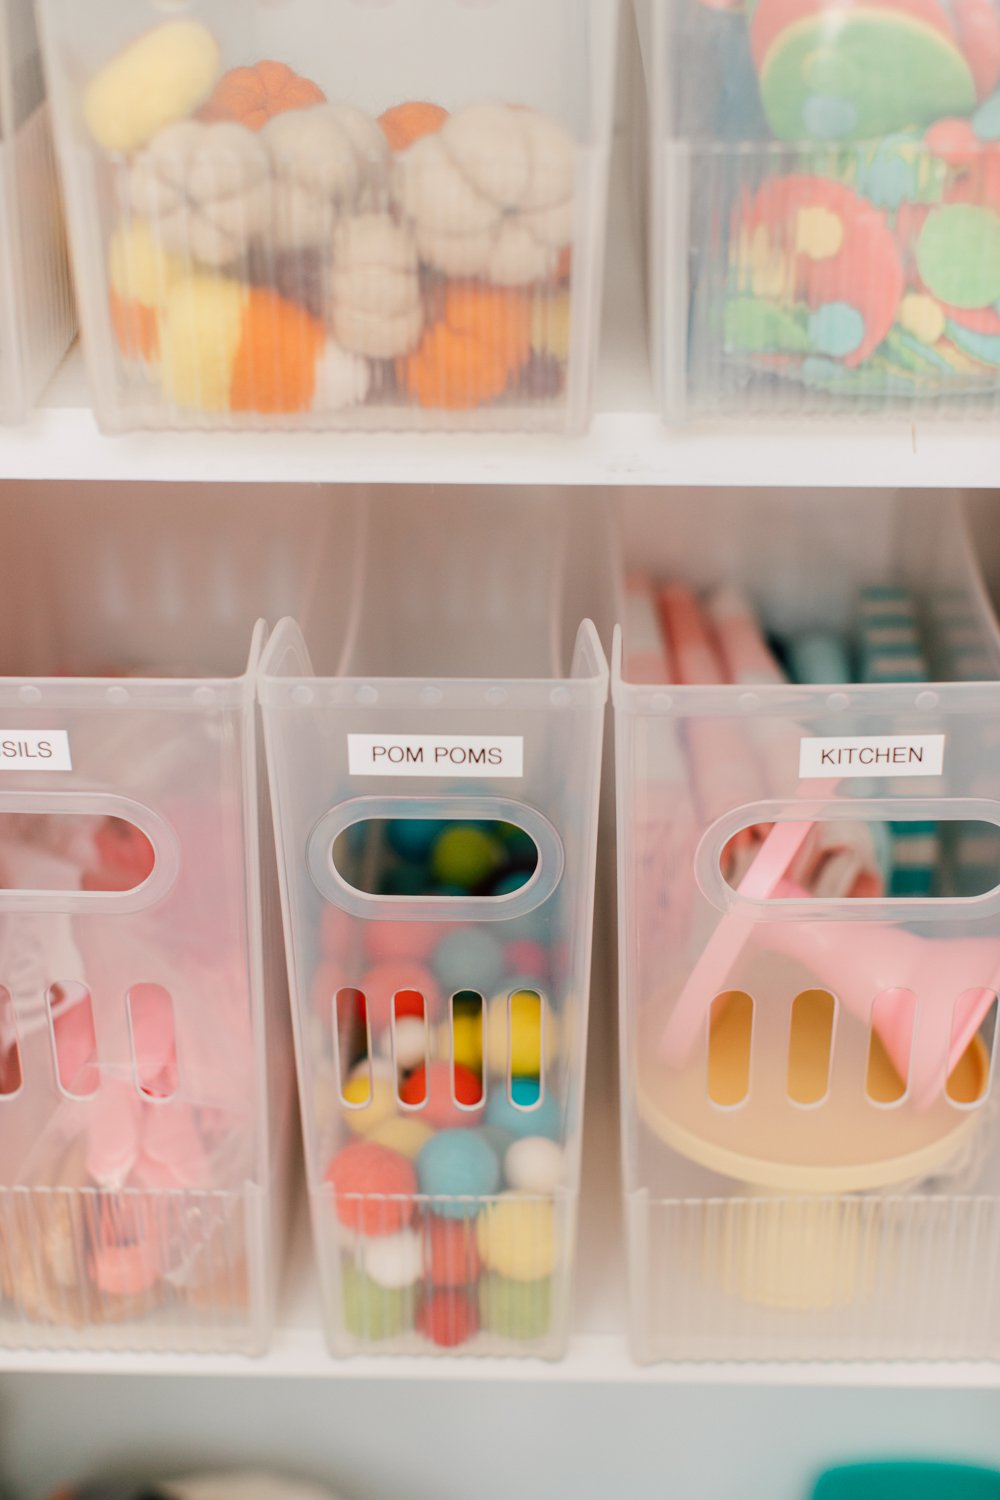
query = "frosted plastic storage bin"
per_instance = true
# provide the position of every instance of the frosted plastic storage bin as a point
(441, 1013)
(334, 214)
(146, 1070)
(37, 317)
(825, 206)
(791, 1192)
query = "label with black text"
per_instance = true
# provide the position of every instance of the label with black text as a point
(35, 750)
(435, 755)
(873, 755)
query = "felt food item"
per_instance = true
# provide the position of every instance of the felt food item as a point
(325, 161)
(140, 275)
(161, 77)
(373, 1188)
(517, 1237)
(252, 96)
(204, 190)
(343, 379)
(228, 347)
(490, 194)
(376, 308)
(406, 123)
(470, 356)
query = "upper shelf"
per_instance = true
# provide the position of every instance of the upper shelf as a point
(627, 444)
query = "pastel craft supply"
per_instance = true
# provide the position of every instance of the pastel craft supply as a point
(520, 1310)
(254, 95)
(373, 1312)
(473, 351)
(406, 1134)
(372, 1187)
(448, 1317)
(140, 275)
(457, 1168)
(406, 1042)
(324, 162)
(452, 1253)
(465, 856)
(747, 658)
(464, 1037)
(160, 77)
(399, 988)
(469, 958)
(818, 656)
(413, 838)
(393, 1260)
(405, 123)
(517, 1237)
(958, 254)
(528, 957)
(521, 1034)
(534, 1165)
(504, 1115)
(645, 652)
(343, 379)
(443, 1095)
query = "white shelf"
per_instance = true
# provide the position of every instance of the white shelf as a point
(627, 443)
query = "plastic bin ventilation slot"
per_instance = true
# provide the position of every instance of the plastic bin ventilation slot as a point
(839, 1221)
(442, 1244)
(335, 214)
(146, 1075)
(825, 201)
(37, 315)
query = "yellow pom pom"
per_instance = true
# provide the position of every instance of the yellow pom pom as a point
(550, 324)
(922, 316)
(532, 1028)
(162, 76)
(202, 326)
(517, 1237)
(139, 269)
(373, 1098)
(403, 1133)
(818, 233)
(467, 1039)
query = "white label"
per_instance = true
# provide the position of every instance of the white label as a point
(446, 755)
(873, 755)
(35, 750)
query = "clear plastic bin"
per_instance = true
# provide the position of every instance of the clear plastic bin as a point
(825, 207)
(333, 214)
(146, 1074)
(809, 1131)
(441, 1014)
(37, 315)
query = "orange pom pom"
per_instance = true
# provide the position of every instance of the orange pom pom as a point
(251, 96)
(469, 356)
(136, 327)
(275, 365)
(406, 123)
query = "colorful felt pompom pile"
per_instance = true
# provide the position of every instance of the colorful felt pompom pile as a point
(278, 253)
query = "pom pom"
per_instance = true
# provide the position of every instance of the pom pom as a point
(373, 1187)
(448, 1318)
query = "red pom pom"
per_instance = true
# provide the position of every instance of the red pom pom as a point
(453, 1253)
(372, 1186)
(432, 1088)
(413, 988)
(448, 1319)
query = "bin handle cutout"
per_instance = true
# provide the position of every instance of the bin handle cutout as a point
(527, 898)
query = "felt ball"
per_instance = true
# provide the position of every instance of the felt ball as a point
(469, 356)
(469, 958)
(386, 942)
(275, 364)
(550, 327)
(373, 1188)
(371, 1311)
(402, 989)
(457, 1165)
(517, 1237)
(504, 1115)
(394, 1260)
(922, 316)
(405, 123)
(958, 254)
(252, 96)
(403, 1133)
(369, 1099)
(527, 957)
(451, 1251)
(200, 332)
(448, 1317)
(465, 856)
(836, 329)
(436, 1094)
(413, 838)
(534, 1164)
(520, 1030)
(520, 1310)
(160, 77)
(464, 1038)
(526, 1093)
(407, 1041)
(343, 379)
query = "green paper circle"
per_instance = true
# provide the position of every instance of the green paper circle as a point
(958, 254)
